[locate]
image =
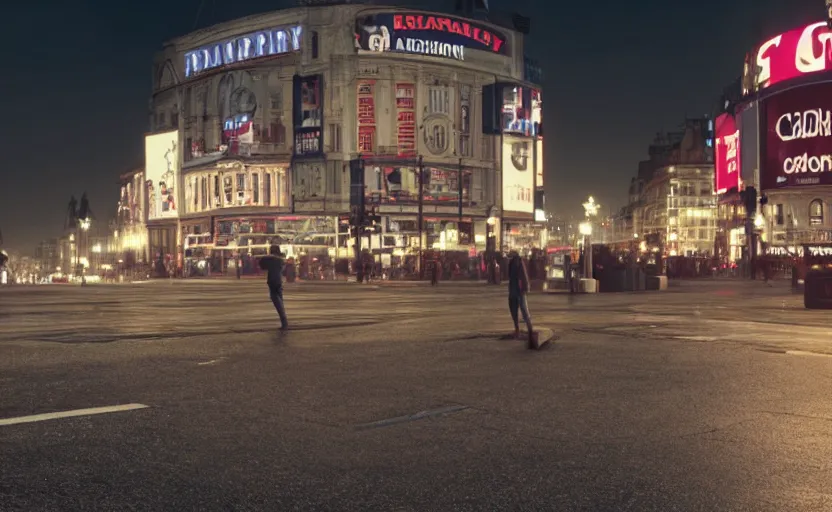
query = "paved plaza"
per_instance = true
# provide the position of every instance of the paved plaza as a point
(713, 395)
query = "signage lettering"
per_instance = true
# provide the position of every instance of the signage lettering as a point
(450, 26)
(804, 125)
(792, 54)
(263, 43)
(805, 163)
(819, 250)
(435, 48)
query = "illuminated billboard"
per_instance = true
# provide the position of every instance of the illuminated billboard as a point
(161, 157)
(789, 55)
(425, 34)
(308, 108)
(798, 140)
(538, 164)
(726, 153)
(246, 47)
(518, 175)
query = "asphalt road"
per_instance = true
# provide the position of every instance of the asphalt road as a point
(711, 396)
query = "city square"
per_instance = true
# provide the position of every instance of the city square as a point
(712, 395)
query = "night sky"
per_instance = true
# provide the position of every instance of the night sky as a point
(76, 85)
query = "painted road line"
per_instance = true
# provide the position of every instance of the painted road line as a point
(806, 353)
(71, 414)
(413, 417)
(212, 361)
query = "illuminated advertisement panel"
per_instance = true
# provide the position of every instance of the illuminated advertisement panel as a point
(255, 45)
(406, 119)
(162, 174)
(798, 139)
(518, 175)
(726, 153)
(308, 113)
(791, 55)
(366, 115)
(425, 34)
(538, 164)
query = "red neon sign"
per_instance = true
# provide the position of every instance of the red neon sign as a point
(449, 26)
(726, 154)
(793, 54)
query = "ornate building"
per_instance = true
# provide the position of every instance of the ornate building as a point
(264, 114)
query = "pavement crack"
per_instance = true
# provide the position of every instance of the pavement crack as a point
(795, 415)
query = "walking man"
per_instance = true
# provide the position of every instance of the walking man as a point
(273, 264)
(518, 285)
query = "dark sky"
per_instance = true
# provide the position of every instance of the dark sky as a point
(76, 85)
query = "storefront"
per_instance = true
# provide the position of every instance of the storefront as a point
(233, 244)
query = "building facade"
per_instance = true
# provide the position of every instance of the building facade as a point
(774, 161)
(256, 121)
(672, 205)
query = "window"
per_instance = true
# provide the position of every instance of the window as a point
(204, 194)
(228, 190)
(314, 45)
(216, 201)
(255, 187)
(241, 188)
(195, 187)
(816, 212)
(174, 119)
(267, 189)
(779, 216)
(465, 148)
(439, 100)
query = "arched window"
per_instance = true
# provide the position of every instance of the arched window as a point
(816, 212)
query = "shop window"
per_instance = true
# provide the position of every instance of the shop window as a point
(816, 212)
(779, 215)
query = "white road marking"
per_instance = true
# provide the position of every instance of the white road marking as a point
(212, 361)
(443, 411)
(696, 338)
(71, 414)
(805, 353)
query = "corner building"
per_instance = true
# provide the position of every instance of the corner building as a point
(270, 110)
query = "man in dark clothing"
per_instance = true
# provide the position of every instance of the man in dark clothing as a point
(273, 265)
(518, 285)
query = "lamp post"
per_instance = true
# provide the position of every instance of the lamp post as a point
(585, 228)
(590, 211)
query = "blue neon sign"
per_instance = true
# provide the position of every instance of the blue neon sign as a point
(263, 43)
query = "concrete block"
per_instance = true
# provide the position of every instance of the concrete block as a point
(589, 286)
(657, 283)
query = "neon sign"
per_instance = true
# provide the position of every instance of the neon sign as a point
(793, 54)
(447, 25)
(799, 137)
(438, 36)
(263, 43)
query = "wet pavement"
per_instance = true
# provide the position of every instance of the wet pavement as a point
(711, 396)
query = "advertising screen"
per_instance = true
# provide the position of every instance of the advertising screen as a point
(425, 34)
(538, 164)
(798, 139)
(792, 54)
(308, 113)
(161, 160)
(366, 115)
(518, 175)
(726, 153)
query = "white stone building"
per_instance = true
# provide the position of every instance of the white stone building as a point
(270, 110)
